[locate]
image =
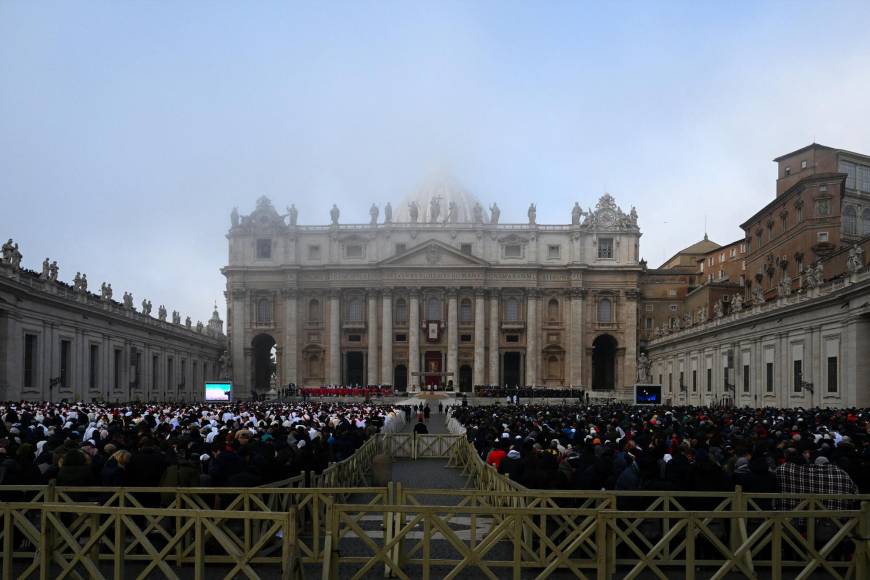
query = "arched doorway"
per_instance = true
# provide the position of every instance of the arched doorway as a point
(604, 363)
(265, 363)
(400, 378)
(465, 378)
(354, 368)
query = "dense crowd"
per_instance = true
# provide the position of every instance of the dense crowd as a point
(233, 444)
(675, 449)
(519, 393)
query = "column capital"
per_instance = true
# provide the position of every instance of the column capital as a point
(533, 293)
(480, 292)
(577, 293)
(632, 294)
(289, 292)
(238, 293)
(494, 293)
(452, 292)
(386, 292)
(414, 292)
(333, 293)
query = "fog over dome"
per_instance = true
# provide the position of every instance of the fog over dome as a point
(446, 190)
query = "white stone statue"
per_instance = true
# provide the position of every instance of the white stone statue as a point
(576, 214)
(687, 320)
(161, 313)
(757, 296)
(77, 281)
(414, 211)
(810, 279)
(176, 317)
(234, 217)
(7, 251)
(532, 213)
(632, 216)
(388, 213)
(334, 214)
(292, 214)
(146, 307)
(784, 287)
(199, 326)
(373, 213)
(737, 303)
(434, 210)
(717, 309)
(128, 300)
(46, 270)
(495, 214)
(855, 261)
(53, 271)
(643, 368)
(702, 314)
(187, 322)
(84, 283)
(452, 213)
(16, 258)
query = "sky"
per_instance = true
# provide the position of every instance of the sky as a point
(129, 130)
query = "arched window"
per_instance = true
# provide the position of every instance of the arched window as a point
(400, 312)
(465, 310)
(553, 310)
(314, 310)
(850, 220)
(605, 310)
(433, 309)
(264, 311)
(355, 310)
(865, 217)
(512, 310)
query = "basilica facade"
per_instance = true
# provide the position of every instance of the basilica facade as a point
(440, 294)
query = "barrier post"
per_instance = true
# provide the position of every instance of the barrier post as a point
(388, 525)
(601, 545)
(862, 543)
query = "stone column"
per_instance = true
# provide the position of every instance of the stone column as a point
(241, 386)
(576, 354)
(479, 331)
(414, 340)
(372, 339)
(387, 337)
(630, 367)
(290, 341)
(532, 337)
(333, 376)
(452, 337)
(493, 337)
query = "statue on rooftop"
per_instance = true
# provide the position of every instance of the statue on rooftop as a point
(576, 214)
(533, 213)
(495, 213)
(373, 213)
(53, 271)
(334, 213)
(414, 211)
(234, 217)
(434, 209)
(388, 213)
(45, 270)
(292, 214)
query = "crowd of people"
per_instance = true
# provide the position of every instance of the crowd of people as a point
(174, 445)
(615, 447)
(517, 393)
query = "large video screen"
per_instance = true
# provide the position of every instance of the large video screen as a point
(218, 391)
(647, 394)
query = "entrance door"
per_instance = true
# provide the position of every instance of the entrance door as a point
(432, 360)
(604, 363)
(354, 369)
(465, 378)
(400, 381)
(512, 367)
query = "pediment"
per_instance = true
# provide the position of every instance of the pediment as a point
(433, 254)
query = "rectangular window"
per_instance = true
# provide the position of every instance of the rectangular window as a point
(804, 164)
(605, 247)
(799, 213)
(354, 337)
(465, 249)
(648, 323)
(93, 366)
(512, 338)
(65, 347)
(863, 178)
(117, 366)
(30, 345)
(672, 292)
(709, 380)
(401, 338)
(832, 374)
(464, 338)
(353, 251)
(798, 375)
(768, 370)
(745, 378)
(400, 248)
(513, 251)
(673, 307)
(648, 307)
(694, 381)
(554, 251)
(851, 171)
(313, 252)
(823, 236)
(264, 249)
(733, 252)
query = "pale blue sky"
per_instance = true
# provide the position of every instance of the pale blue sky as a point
(129, 130)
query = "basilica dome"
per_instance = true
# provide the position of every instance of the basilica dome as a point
(444, 191)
